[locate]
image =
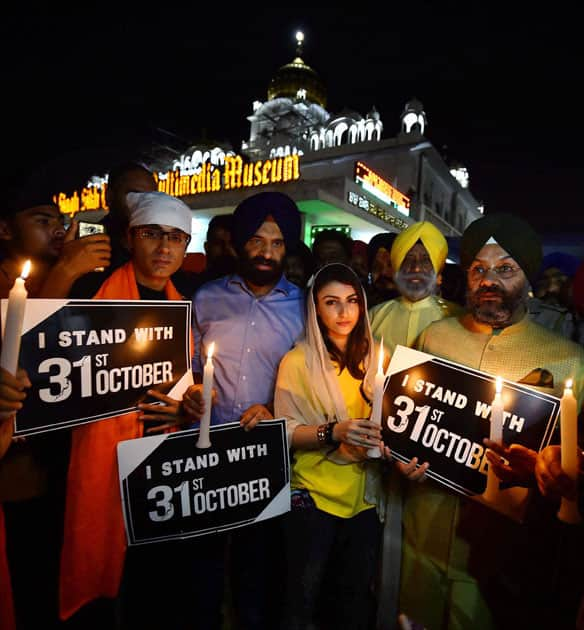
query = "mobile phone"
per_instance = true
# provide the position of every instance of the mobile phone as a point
(87, 229)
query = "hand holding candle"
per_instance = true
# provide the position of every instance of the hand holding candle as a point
(377, 399)
(568, 511)
(13, 322)
(204, 441)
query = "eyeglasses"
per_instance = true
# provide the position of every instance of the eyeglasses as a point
(156, 234)
(501, 271)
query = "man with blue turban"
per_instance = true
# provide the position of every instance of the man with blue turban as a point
(254, 317)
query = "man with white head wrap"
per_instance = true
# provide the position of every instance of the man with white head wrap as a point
(94, 550)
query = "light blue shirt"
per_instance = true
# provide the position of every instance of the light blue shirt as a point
(251, 336)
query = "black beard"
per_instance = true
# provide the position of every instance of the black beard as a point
(496, 314)
(260, 277)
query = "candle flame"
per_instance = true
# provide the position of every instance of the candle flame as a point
(380, 364)
(25, 270)
(498, 385)
(210, 351)
(569, 384)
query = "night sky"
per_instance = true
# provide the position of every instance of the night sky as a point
(499, 91)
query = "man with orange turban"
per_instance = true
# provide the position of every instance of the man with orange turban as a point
(417, 255)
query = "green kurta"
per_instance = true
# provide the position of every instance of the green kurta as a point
(400, 321)
(455, 549)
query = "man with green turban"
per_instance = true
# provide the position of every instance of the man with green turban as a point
(465, 565)
(417, 255)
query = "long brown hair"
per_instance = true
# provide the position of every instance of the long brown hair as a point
(357, 344)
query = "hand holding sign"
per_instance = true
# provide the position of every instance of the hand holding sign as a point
(94, 359)
(159, 418)
(439, 411)
(411, 471)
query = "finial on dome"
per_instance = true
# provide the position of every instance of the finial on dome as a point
(299, 42)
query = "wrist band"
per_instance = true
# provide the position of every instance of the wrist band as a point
(324, 433)
(328, 436)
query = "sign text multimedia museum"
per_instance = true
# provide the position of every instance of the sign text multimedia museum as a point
(216, 171)
(232, 174)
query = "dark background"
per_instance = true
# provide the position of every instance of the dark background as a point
(500, 91)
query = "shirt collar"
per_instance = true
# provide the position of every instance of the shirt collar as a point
(420, 305)
(519, 327)
(282, 286)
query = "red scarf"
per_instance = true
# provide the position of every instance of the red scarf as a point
(94, 547)
(7, 621)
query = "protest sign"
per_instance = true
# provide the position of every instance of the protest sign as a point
(171, 489)
(93, 359)
(439, 411)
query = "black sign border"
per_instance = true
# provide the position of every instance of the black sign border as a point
(193, 434)
(551, 422)
(184, 304)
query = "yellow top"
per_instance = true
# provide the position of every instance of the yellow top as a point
(336, 489)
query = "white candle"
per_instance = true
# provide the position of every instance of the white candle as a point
(204, 441)
(13, 326)
(377, 398)
(496, 435)
(569, 435)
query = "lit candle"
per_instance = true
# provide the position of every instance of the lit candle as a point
(13, 325)
(497, 413)
(496, 435)
(204, 441)
(377, 399)
(568, 511)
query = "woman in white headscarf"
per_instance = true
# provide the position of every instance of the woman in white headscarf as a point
(322, 390)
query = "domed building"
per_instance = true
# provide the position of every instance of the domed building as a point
(337, 166)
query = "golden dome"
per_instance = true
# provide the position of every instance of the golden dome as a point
(297, 80)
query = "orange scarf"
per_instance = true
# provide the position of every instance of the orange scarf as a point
(7, 621)
(94, 547)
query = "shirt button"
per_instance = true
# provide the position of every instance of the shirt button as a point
(243, 378)
(253, 323)
(249, 349)
(239, 406)
(491, 347)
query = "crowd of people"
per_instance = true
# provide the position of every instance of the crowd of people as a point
(370, 543)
